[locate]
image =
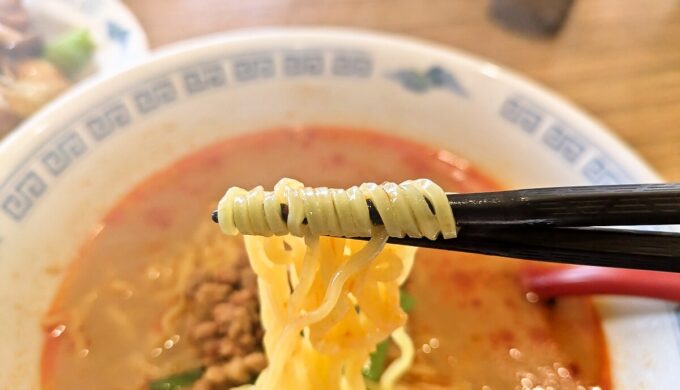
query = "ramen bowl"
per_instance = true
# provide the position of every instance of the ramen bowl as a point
(66, 167)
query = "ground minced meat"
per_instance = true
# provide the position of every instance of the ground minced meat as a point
(225, 327)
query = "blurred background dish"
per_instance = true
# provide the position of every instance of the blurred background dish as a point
(46, 46)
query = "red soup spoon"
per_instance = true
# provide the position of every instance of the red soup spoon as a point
(549, 282)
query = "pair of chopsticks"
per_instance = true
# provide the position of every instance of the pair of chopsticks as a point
(566, 225)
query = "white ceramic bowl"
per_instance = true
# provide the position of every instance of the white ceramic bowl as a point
(63, 169)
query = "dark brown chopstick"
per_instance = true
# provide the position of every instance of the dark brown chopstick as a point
(557, 225)
(635, 249)
(629, 205)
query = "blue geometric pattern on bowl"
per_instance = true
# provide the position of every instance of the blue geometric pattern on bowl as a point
(435, 77)
(28, 182)
(116, 32)
(562, 139)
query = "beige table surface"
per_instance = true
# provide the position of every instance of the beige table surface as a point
(618, 60)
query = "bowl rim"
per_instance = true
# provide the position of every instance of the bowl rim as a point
(596, 130)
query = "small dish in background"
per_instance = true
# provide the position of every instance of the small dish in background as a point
(47, 46)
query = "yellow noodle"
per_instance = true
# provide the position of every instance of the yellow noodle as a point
(327, 302)
(402, 364)
(404, 209)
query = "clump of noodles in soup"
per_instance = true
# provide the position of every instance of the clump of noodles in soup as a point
(327, 302)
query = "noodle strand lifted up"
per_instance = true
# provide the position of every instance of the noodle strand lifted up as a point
(327, 302)
(414, 208)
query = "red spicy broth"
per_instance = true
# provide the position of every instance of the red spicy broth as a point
(471, 324)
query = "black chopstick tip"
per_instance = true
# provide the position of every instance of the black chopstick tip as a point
(214, 216)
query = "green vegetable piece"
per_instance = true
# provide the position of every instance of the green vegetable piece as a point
(377, 362)
(406, 301)
(71, 52)
(177, 381)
